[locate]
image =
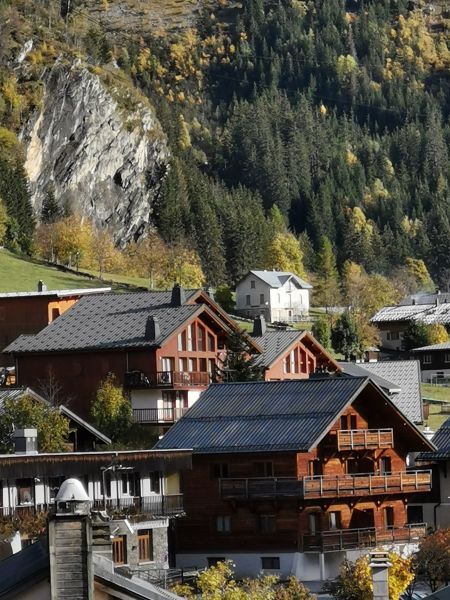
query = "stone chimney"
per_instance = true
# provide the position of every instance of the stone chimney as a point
(70, 544)
(41, 286)
(25, 441)
(379, 565)
(259, 326)
(178, 295)
(152, 329)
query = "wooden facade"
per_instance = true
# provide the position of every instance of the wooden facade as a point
(351, 491)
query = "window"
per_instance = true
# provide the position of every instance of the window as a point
(267, 523)
(106, 477)
(54, 483)
(385, 465)
(447, 357)
(353, 422)
(130, 484)
(219, 470)
(315, 467)
(389, 517)
(415, 514)
(145, 543)
(352, 465)
(223, 524)
(167, 364)
(314, 522)
(55, 313)
(252, 284)
(211, 343)
(292, 359)
(247, 300)
(155, 482)
(213, 560)
(261, 298)
(427, 359)
(270, 563)
(287, 364)
(264, 469)
(180, 342)
(344, 422)
(190, 341)
(201, 338)
(335, 520)
(25, 491)
(393, 335)
(119, 549)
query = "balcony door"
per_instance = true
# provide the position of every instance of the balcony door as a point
(362, 519)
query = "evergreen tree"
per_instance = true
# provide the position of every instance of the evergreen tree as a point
(51, 211)
(326, 288)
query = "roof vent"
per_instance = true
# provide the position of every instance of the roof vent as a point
(41, 286)
(178, 295)
(259, 326)
(25, 441)
(152, 329)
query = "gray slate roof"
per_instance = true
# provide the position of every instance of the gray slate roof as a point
(433, 347)
(423, 313)
(399, 378)
(15, 393)
(441, 440)
(426, 298)
(109, 321)
(274, 343)
(262, 416)
(278, 278)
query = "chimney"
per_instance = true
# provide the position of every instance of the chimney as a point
(25, 441)
(178, 295)
(210, 292)
(41, 286)
(259, 326)
(70, 544)
(152, 330)
(379, 565)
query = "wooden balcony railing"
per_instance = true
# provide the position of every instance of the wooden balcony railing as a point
(23, 510)
(166, 379)
(158, 415)
(369, 537)
(325, 486)
(365, 439)
(260, 487)
(365, 484)
(158, 505)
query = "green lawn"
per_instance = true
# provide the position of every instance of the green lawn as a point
(435, 392)
(22, 275)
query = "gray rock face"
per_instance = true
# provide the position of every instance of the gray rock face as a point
(106, 161)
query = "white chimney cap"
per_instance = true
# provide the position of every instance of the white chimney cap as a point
(72, 490)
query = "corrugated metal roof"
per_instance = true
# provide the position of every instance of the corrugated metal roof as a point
(401, 380)
(109, 321)
(274, 344)
(426, 298)
(443, 346)
(277, 279)
(423, 313)
(257, 416)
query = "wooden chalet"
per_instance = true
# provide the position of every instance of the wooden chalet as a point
(163, 347)
(434, 362)
(291, 477)
(290, 353)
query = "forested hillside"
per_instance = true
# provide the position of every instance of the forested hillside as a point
(291, 125)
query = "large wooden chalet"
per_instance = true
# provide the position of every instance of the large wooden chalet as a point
(293, 476)
(163, 347)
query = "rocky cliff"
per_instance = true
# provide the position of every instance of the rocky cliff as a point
(99, 146)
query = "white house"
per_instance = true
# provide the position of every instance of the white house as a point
(279, 296)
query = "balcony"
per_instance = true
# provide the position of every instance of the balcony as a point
(23, 510)
(168, 505)
(325, 486)
(166, 379)
(158, 415)
(366, 484)
(370, 537)
(260, 487)
(365, 439)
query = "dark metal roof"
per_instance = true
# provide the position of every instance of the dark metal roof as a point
(109, 321)
(441, 440)
(21, 570)
(274, 344)
(263, 416)
(399, 378)
(15, 393)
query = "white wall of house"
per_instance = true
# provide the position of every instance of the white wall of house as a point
(285, 303)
